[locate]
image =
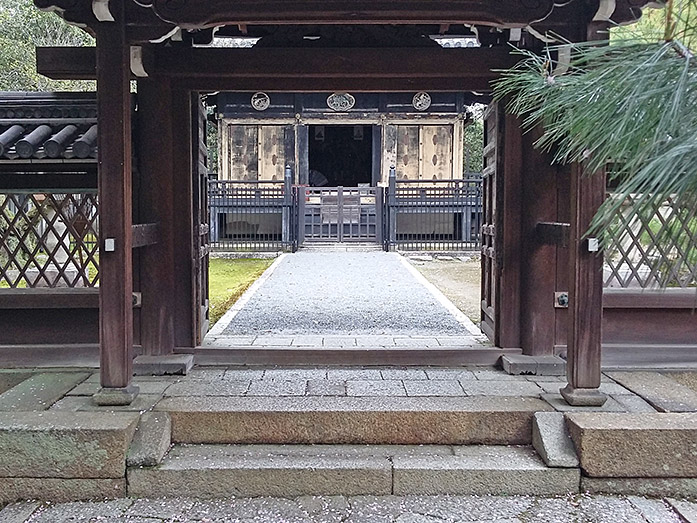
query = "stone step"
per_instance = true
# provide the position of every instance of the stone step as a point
(343, 420)
(219, 471)
(451, 356)
(320, 246)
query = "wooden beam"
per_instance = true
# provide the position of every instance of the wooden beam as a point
(115, 188)
(67, 63)
(585, 314)
(77, 298)
(303, 70)
(211, 13)
(43, 178)
(318, 63)
(145, 234)
(671, 298)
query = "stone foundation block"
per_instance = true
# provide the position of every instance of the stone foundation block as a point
(660, 445)
(69, 445)
(533, 365)
(179, 364)
(60, 490)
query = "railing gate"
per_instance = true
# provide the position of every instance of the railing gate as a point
(340, 214)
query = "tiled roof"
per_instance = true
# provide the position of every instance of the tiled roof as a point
(48, 127)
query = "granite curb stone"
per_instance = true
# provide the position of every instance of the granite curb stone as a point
(650, 487)
(282, 476)
(151, 441)
(552, 441)
(480, 471)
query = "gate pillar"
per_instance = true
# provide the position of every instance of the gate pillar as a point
(585, 293)
(115, 221)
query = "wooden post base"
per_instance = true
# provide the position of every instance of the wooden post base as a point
(583, 397)
(113, 397)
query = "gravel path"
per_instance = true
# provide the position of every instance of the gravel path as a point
(343, 293)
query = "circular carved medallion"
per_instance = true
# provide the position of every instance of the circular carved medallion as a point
(260, 101)
(341, 101)
(421, 101)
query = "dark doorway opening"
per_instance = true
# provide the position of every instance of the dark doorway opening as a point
(340, 155)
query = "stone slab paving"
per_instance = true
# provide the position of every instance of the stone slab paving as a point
(72, 391)
(662, 392)
(39, 391)
(348, 341)
(363, 509)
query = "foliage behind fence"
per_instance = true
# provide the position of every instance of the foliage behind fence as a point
(640, 254)
(49, 240)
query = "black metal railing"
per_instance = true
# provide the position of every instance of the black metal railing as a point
(437, 215)
(251, 216)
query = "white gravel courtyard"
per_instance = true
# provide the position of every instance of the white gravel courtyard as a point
(344, 294)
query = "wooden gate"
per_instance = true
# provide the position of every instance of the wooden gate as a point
(340, 214)
(199, 264)
(490, 220)
(500, 234)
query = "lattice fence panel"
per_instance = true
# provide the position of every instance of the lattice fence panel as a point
(49, 240)
(638, 254)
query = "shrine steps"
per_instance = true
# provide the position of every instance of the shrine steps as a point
(217, 471)
(293, 446)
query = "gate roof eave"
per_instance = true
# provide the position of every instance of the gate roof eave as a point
(156, 19)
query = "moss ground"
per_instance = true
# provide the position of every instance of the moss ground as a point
(228, 279)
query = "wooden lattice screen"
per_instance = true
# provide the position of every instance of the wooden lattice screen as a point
(49, 240)
(634, 257)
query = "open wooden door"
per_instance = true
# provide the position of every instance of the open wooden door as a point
(199, 266)
(500, 235)
(490, 219)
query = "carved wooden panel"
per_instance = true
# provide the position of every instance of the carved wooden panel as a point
(407, 166)
(272, 153)
(436, 152)
(241, 155)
